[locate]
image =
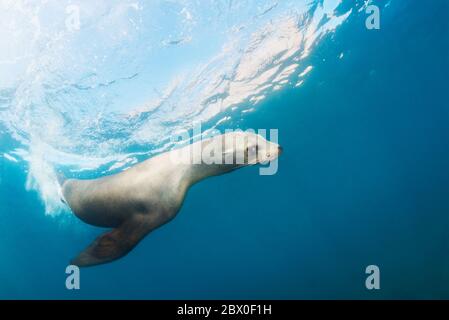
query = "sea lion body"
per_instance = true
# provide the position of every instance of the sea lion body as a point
(149, 188)
(138, 200)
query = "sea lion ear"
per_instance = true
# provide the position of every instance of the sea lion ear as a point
(114, 244)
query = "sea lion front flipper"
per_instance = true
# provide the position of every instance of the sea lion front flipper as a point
(114, 244)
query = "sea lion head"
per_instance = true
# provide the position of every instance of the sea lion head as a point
(248, 148)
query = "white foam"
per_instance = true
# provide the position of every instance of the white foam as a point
(82, 100)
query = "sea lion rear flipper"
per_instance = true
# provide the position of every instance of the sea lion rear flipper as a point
(114, 244)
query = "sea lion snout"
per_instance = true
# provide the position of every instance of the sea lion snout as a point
(269, 151)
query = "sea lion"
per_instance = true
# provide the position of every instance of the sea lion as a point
(146, 196)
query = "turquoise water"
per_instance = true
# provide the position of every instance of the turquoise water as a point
(363, 178)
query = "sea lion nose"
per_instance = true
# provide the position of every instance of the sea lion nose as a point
(280, 150)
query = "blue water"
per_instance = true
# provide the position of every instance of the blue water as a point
(363, 180)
